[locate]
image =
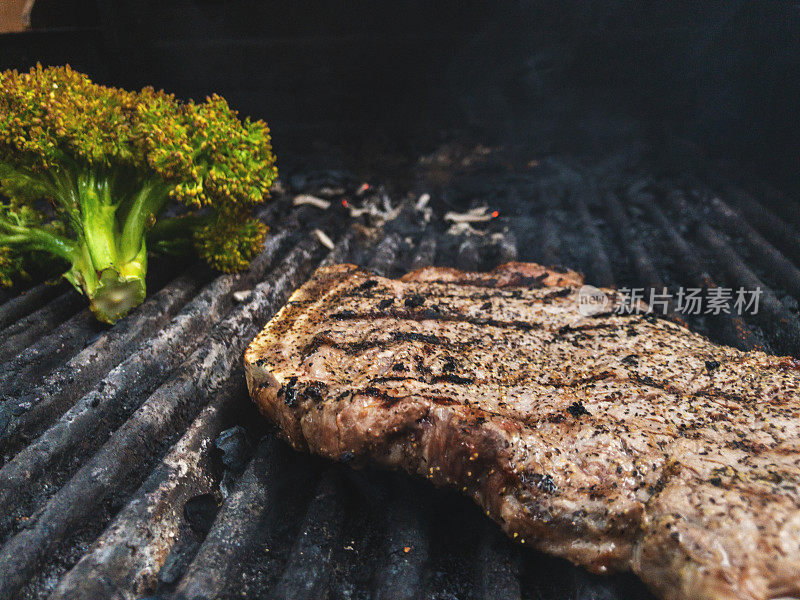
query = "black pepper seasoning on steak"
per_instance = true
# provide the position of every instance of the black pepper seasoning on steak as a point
(603, 440)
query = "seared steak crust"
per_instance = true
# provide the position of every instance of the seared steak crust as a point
(618, 442)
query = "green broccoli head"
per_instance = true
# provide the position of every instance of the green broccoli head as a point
(88, 169)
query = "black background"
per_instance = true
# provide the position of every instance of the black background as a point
(722, 76)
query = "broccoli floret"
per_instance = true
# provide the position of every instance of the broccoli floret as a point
(87, 169)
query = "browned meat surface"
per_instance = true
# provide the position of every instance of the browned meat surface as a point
(618, 442)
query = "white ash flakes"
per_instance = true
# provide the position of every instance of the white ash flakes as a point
(323, 239)
(302, 199)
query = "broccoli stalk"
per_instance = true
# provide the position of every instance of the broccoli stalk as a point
(107, 256)
(89, 169)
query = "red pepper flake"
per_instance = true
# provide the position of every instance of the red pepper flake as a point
(495, 214)
(344, 202)
(407, 549)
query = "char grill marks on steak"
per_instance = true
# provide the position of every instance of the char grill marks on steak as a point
(606, 440)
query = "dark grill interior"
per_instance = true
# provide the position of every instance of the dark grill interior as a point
(135, 466)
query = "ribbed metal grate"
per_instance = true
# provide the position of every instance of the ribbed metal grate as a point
(115, 482)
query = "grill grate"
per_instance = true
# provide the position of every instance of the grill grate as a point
(111, 483)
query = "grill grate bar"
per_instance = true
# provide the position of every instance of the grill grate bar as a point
(27, 330)
(237, 523)
(308, 569)
(772, 315)
(644, 269)
(44, 355)
(126, 558)
(467, 255)
(732, 328)
(600, 267)
(769, 196)
(498, 566)
(506, 247)
(33, 299)
(384, 261)
(401, 572)
(779, 232)
(552, 253)
(731, 270)
(767, 257)
(163, 414)
(425, 253)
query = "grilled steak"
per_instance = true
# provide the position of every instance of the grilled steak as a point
(618, 442)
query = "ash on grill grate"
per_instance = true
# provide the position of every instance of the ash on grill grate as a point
(135, 465)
